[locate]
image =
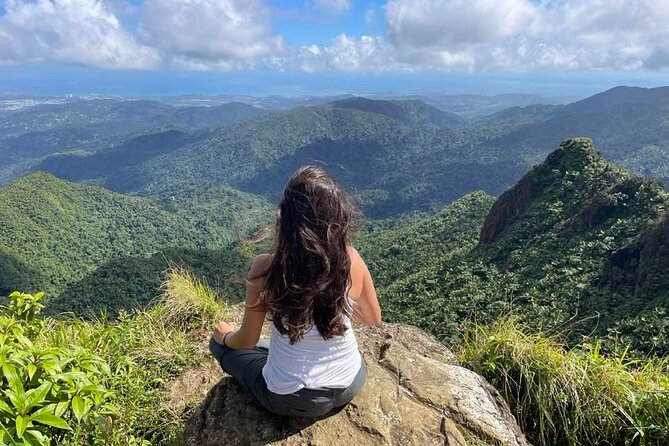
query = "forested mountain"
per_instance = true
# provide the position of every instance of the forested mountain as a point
(630, 125)
(54, 233)
(30, 132)
(398, 155)
(412, 113)
(577, 241)
(393, 166)
(518, 116)
(104, 162)
(395, 156)
(473, 106)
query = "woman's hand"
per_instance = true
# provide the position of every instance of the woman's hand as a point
(221, 329)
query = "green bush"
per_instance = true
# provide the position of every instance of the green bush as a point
(47, 390)
(144, 351)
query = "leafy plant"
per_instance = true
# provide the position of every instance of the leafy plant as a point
(46, 389)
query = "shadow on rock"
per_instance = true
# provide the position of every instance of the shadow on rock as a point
(416, 394)
(229, 415)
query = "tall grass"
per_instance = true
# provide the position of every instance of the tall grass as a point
(188, 302)
(144, 350)
(573, 396)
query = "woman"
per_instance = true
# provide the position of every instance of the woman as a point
(310, 287)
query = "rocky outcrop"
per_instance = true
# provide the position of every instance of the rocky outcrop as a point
(415, 394)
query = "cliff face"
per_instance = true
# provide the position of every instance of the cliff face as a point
(415, 394)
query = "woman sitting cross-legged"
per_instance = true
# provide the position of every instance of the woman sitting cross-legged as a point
(310, 287)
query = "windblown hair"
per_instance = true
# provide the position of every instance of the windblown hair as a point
(306, 283)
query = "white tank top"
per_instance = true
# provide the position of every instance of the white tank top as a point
(312, 362)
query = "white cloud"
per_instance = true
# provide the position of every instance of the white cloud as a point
(346, 54)
(454, 23)
(527, 35)
(69, 31)
(219, 34)
(462, 35)
(335, 6)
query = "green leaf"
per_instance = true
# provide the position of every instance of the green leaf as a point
(61, 408)
(50, 420)
(5, 408)
(10, 373)
(21, 425)
(36, 437)
(24, 340)
(6, 437)
(36, 396)
(78, 407)
(31, 368)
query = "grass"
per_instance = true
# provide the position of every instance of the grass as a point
(188, 302)
(144, 351)
(575, 396)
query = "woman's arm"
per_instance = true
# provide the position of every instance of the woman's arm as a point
(366, 304)
(248, 334)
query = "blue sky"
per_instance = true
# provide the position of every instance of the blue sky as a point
(131, 47)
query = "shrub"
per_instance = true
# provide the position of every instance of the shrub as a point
(46, 389)
(55, 383)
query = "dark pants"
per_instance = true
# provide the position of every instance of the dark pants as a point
(246, 367)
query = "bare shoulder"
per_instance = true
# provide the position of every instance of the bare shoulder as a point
(260, 265)
(353, 253)
(356, 259)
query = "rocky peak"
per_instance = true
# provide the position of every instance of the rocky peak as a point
(573, 155)
(415, 394)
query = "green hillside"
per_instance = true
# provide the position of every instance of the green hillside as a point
(626, 123)
(393, 166)
(29, 134)
(410, 112)
(398, 155)
(104, 162)
(550, 249)
(55, 233)
(394, 253)
(552, 292)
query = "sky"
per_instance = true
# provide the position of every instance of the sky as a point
(556, 48)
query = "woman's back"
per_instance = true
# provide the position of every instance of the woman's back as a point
(312, 362)
(311, 287)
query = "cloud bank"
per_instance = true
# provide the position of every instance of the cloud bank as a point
(449, 35)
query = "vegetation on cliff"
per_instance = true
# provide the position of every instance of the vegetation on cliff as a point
(577, 245)
(82, 382)
(571, 396)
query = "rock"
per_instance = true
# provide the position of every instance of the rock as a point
(415, 394)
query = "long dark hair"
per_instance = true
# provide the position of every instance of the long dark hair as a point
(305, 285)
